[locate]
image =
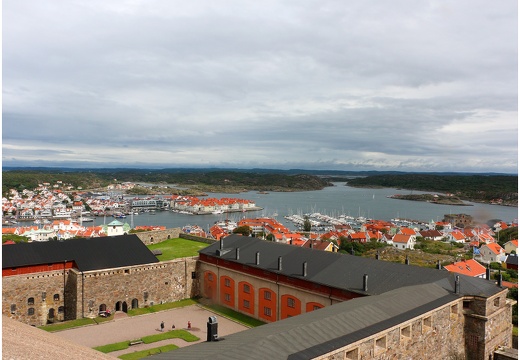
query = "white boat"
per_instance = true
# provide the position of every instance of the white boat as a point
(216, 212)
(86, 219)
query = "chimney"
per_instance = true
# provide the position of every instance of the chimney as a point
(311, 244)
(439, 267)
(257, 262)
(457, 284)
(221, 243)
(279, 263)
(365, 282)
(305, 268)
(352, 251)
(488, 272)
(290, 241)
(238, 253)
(377, 255)
(499, 280)
(407, 261)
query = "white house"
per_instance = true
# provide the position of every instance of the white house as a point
(511, 246)
(402, 241)
(492, 252)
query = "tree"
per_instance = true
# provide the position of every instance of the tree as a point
(307, 225)
(244, 230)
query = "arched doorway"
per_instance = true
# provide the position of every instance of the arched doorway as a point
(118, 306)
(125, 307)
(102, 307)
(50, 316)
(135, 304)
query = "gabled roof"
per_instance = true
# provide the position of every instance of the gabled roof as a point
(314, 334)
(494, 247)
(88, 254)
(323, 267)
(401, 238)
(467, 267)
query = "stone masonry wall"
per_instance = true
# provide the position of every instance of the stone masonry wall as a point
(438, 334)
(136, 286)
(156, 236)
(46, 290)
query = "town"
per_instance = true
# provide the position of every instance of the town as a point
(265, 249)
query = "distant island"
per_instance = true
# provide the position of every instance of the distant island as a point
(490, 189)
(431, 198)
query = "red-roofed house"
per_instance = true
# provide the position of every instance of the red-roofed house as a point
(407, 231)
(468, 267)
(361, 237)
(457, 236)
(403, 242)
(492, 253)
(321, 245)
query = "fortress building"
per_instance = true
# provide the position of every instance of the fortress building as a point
(318, 305)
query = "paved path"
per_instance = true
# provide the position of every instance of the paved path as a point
(135, 327)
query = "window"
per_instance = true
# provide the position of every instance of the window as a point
(267, 295)
(427, 323)
(227, 297)
(61, 309)
(210, 277)
(193, 275)
(352, 354)
(246, 304)
(406, 333)
(44, 296)
(267, 311)
(13, 308)
(454, 309)
(227, 283)
(246, 289)
(56, 297)
(496, 302)
(466, 304)
(381, 344)
(316, 307)
(30, 301)
(290, 303)
(30, 311)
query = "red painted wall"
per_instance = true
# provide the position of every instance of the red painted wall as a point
(246, 296)
(269, 303)
(227, 290)
(286, 310)
(36, 268)
(210, 285)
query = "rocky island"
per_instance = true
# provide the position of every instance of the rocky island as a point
(432, 198)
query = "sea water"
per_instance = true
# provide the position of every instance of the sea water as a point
(333, 201)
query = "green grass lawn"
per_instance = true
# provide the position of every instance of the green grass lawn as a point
(161, 307)
(177, 248)
(73, 323)
(173, 334)
(144, 353)
(237, 316)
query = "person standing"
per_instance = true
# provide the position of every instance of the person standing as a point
(162, 326)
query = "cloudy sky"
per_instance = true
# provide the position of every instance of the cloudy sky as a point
(348, 85)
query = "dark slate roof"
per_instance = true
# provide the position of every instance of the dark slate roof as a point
(319, 332)
(512, 259)
(342, 271)
(88, 254)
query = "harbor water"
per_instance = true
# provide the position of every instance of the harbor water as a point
(333, 201)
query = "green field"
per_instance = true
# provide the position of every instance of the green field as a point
(177, 248)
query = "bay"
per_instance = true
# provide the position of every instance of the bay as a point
(334, 201)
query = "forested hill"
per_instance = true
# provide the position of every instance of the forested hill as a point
(479, 188)
(211, 181)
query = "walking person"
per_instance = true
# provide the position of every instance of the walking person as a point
(173, 326)
(162, 326)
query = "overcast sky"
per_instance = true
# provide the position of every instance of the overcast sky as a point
(348, 85)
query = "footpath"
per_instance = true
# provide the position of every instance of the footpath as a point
(124, 328)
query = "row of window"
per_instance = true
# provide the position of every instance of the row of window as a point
(31, 311)
(380, 343)
(30, 301)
